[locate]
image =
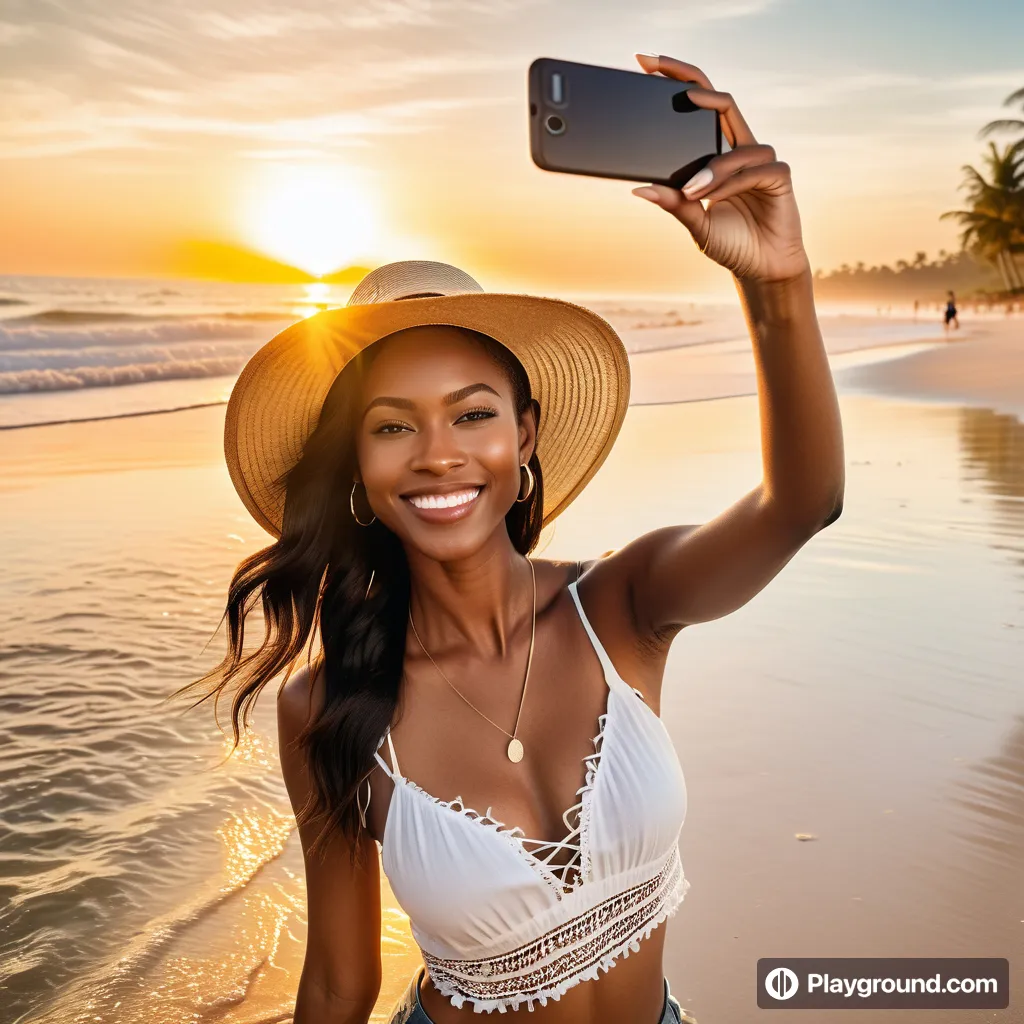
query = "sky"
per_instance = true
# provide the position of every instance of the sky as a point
(137, 135)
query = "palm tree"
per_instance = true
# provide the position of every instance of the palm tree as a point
(1008, 124)
(993, 225)
(1016, 125)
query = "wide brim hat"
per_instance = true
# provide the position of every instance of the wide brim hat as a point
(576, 363)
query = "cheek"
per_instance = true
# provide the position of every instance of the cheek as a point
(380, 465)
(498, 452)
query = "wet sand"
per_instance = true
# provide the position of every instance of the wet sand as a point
(982, 364)
(870, 696)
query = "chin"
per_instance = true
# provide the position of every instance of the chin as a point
(450, 543)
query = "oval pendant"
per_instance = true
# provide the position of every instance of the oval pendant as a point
(515, 751)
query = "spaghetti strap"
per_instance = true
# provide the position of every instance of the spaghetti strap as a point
(394, 756)
(610, 675)
(389, 770)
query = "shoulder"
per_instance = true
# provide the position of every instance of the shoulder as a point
(300, 698)
(553, 576)
(613, 578)
(299, 701)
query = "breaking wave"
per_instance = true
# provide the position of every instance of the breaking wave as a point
(78, 352)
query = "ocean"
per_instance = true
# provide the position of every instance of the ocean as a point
(80, 348)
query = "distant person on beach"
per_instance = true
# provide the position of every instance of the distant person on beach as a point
(950, 315)
(404, 452)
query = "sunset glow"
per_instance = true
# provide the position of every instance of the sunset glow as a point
(258, 143)
(317, 219)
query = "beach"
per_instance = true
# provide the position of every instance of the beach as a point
(870, 699)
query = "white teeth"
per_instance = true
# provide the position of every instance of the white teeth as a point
(444, 500)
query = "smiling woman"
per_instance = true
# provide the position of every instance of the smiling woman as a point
(316, 219)
(405, 452)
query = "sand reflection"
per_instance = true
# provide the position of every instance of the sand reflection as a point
(992, 450)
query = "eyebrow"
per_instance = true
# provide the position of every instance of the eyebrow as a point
(452, 398)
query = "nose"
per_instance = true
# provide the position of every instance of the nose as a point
(437, 451)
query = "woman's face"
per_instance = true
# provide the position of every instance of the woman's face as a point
(440, 444)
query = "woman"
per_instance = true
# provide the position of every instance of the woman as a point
(457, 673)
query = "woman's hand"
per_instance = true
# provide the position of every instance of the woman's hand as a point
(740, 209)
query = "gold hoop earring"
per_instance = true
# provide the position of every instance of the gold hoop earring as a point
(532, 479)
(352, 506)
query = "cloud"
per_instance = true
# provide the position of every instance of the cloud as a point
(678, 15)
(265, 25)
(397, 118)
(1009, 79)
(11, 34)
(791, 91)
(97, 130)
(123, 74)
(866, 103)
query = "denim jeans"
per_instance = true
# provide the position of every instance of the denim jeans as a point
(410, 1011)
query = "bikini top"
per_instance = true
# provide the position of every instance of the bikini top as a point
(500, 925)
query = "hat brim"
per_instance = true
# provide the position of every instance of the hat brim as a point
(576, 363)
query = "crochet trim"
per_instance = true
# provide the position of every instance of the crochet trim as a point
(580, 950)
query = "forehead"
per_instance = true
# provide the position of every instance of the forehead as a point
(430, 360)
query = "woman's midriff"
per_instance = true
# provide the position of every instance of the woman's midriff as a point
(633, 990)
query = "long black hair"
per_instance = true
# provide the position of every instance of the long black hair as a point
(351, 583)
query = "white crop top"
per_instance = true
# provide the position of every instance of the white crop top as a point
(498, 924)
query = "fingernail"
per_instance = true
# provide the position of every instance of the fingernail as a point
(699, 180)
(646, 193)
(650, 56)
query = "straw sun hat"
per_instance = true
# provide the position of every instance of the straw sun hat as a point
(575, 361)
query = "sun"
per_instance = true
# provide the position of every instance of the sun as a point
(318, 219)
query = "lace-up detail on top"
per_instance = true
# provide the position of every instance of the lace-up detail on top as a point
(567, 875)
(571, 872)
(500, 921)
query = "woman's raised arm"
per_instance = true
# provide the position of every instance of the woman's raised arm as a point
(341, 974)
(742, 213)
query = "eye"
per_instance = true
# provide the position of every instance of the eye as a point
(390, 427)
(484, 413)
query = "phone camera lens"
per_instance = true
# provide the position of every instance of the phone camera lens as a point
(554, 124)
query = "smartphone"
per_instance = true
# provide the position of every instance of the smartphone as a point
(610, 123)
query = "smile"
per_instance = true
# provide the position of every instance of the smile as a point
(454, 500)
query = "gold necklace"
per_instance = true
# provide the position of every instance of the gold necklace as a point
(515, 746)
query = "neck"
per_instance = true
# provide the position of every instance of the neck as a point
(477, 601)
